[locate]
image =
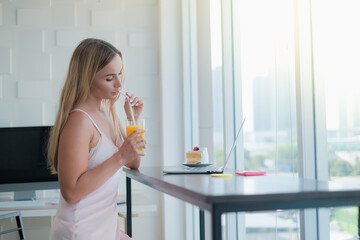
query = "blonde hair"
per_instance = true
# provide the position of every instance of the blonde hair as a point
(90, 56)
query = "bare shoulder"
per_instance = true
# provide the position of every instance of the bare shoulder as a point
(78, 125)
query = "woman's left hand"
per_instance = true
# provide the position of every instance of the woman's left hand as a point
(137, 106)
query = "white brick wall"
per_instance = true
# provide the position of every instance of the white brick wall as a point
(106, 18)
(34, 17)
(61, 9)
(5, 60)
(37, 39)
(1, 14)
(67, 38)
(33, 90)
(140, 38)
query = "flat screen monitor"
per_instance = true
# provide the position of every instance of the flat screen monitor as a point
(23, 161)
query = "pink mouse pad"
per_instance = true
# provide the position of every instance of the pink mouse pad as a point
(249, 173)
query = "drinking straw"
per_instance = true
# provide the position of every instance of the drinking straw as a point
(131, 110)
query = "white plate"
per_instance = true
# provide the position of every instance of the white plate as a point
(197, 164)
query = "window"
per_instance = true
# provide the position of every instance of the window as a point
(268, 79)
(336, 54)
(289, 67)
(266, 37)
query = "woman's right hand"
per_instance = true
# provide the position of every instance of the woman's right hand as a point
(129, 150)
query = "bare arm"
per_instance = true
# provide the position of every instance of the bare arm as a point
(76, 181)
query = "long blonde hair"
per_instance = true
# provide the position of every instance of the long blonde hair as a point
(90, 56)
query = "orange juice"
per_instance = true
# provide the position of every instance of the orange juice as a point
(130, 129)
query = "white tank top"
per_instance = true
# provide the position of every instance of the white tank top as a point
(95, 216)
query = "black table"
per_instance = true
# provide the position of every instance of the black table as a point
(240, 193)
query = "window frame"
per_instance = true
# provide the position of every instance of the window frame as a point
(310, 107)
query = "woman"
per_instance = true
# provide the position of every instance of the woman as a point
(87, 145)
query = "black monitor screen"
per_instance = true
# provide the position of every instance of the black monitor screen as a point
(23, 155)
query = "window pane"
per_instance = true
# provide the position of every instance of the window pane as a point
(268, 85)
(268, 79)
(337, 50)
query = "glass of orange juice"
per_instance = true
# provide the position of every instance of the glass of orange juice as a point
(131, 126)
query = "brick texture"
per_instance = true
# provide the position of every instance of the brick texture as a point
(37, 39)
(1, 14)
(5, 60)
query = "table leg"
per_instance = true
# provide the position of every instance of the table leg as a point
(202, 224)
(358, 221)
(20, 226)
(216, 224)
(128, 207)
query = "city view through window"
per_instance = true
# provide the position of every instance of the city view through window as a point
(269, 104)
(336, 54)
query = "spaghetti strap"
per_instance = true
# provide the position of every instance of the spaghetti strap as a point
(121, 136)
(80, 110)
